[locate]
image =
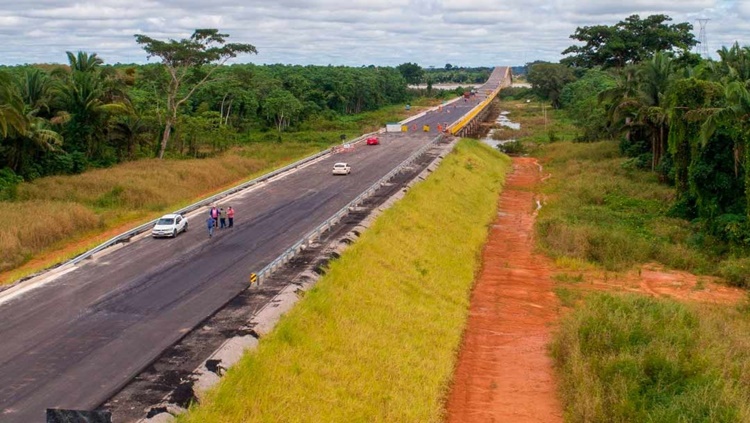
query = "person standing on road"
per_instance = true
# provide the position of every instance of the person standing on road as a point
(210, 223)
(230, 215)
(223, 218)
(215, 215)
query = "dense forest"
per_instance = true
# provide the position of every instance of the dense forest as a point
(679, 115)
(64, 119)
(88, 114)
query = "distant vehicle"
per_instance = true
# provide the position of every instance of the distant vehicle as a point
(373, 141)
(169, 225)
(341, 169)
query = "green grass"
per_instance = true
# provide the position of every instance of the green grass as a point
(612, 216)
(376, 339)
(568, 278)
(534, 127)
(632, 358)
(568, 297)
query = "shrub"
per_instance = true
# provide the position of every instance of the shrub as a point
(736, 271)
(512, 148)
(8, 183)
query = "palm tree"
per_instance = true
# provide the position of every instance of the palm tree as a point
(24, 134)
(621, 102)
(89, 98)
(653, 82)
(736, 112)
(11, 107)
(35, 89)
(84, 62)
(126, 133)
(637, 105)
(35, 138)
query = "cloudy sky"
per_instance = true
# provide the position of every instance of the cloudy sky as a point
(346, 32)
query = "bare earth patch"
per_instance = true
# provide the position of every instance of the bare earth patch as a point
(504, 373)
(652, 279)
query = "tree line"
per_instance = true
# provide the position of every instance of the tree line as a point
(63, 119)
(681, 116)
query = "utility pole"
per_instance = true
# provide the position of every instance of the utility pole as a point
(703, 38)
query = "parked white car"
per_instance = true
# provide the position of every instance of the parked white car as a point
(169, 225)
(341, 169)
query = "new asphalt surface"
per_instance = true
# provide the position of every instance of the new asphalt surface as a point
(75, 341)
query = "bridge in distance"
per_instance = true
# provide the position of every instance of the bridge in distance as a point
(76, 340)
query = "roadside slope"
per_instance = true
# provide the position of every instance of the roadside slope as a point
(376, 339)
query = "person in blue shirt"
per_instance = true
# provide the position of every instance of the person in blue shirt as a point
(210, 223)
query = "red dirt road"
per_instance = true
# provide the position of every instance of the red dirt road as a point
(504, 373)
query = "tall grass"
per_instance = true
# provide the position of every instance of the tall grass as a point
(637, 359)
(376, 339)
(605, 213)
(39, 222)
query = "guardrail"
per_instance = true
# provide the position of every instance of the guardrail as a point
(146, 226)
(300, 245)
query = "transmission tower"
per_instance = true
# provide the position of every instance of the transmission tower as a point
(703, 39)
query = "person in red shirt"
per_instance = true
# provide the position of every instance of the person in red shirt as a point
(230, 216)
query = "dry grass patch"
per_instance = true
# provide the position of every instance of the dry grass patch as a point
(39, 222)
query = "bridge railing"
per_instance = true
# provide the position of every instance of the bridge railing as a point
(502, 83)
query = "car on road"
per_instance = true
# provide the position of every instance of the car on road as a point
(169, 225)
(342, 169)
(373, 141)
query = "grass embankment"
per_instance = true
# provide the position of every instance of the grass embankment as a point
(631, 358)
(55, 218)
(376, 339)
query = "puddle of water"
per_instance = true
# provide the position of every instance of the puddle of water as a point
(501, 120)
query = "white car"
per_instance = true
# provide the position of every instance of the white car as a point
(341, 169)
(169, 225)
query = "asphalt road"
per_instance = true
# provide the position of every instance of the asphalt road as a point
(75, 341)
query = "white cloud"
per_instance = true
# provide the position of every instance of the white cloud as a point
(349, 32)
